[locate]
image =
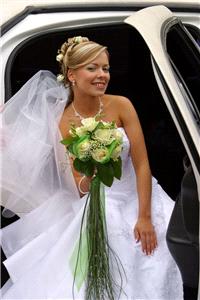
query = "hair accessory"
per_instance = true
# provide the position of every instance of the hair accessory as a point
(78, 39)
(71, 42)
(60, 77)
(59, 57)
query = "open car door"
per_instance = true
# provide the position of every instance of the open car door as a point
(175, 58)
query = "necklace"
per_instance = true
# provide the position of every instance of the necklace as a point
(81, 117)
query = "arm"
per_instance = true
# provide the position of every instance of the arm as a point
(143, 230)
(82, 182)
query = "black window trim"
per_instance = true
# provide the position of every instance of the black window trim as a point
(182, 29)
(179, 117)
(185, 91)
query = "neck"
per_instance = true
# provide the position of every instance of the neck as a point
(87, 108)
(86, 104)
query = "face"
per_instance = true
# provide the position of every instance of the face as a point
(92, 79)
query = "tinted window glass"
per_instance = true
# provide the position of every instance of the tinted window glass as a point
(185, 56)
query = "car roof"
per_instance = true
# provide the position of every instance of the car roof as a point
(9, 10)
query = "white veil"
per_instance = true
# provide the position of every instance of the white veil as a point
(34, 163)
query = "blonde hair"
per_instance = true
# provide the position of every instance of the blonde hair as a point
(75, 53)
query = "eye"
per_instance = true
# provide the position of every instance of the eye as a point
(106, 69)
(91, 68)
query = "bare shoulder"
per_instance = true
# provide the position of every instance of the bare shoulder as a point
(117, 99)
(120, 103)
(124, 109)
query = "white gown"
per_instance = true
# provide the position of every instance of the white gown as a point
(39, 245)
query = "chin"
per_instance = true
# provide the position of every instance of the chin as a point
(98, 94)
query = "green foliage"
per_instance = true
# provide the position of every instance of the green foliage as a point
(117, 167)
(105, 173)
(84, 167)
(69, 140)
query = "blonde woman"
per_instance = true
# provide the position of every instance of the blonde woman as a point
(41, 185)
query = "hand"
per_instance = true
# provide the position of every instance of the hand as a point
(144, 232)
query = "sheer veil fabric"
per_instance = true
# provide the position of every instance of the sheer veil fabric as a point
(37, 184)
(29, 139)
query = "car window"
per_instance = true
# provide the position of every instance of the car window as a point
(194, 31)
(184, 56)
(39, 52)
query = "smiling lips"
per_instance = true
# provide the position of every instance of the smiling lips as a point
(100, 85)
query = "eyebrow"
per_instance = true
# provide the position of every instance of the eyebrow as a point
(97, 64)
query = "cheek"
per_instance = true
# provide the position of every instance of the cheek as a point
(108, 77)
(86, 77)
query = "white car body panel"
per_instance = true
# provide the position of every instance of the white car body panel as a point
(9, 10)
(148, 21)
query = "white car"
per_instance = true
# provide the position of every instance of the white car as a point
(155, 62)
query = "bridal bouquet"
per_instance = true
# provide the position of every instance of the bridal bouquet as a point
(96, 147)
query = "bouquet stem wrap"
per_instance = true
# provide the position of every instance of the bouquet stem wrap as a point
(90, 259)
(99, 281)
(96, 147)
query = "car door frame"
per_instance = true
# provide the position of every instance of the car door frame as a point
(160, 19)
(173, 93)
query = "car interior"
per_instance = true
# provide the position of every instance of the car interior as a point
(131, 76)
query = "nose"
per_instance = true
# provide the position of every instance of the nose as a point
(102, 73)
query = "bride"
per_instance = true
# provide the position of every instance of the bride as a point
(40, 184)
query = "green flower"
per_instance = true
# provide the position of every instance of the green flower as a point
(81, 148)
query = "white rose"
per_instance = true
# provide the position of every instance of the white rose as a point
(116, 152)
(100, 154)
(89, 124)
(107, 125)
(104, 136)
(83, 149)
(80, 131)
(84, 146)
(118, 135)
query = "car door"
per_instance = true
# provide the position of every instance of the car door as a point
(175, 58)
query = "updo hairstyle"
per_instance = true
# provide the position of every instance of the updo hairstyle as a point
(75, 53)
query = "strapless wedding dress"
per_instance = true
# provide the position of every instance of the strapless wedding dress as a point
(39, 245)
(38, 185)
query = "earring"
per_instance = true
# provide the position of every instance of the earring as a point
(73, 82)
